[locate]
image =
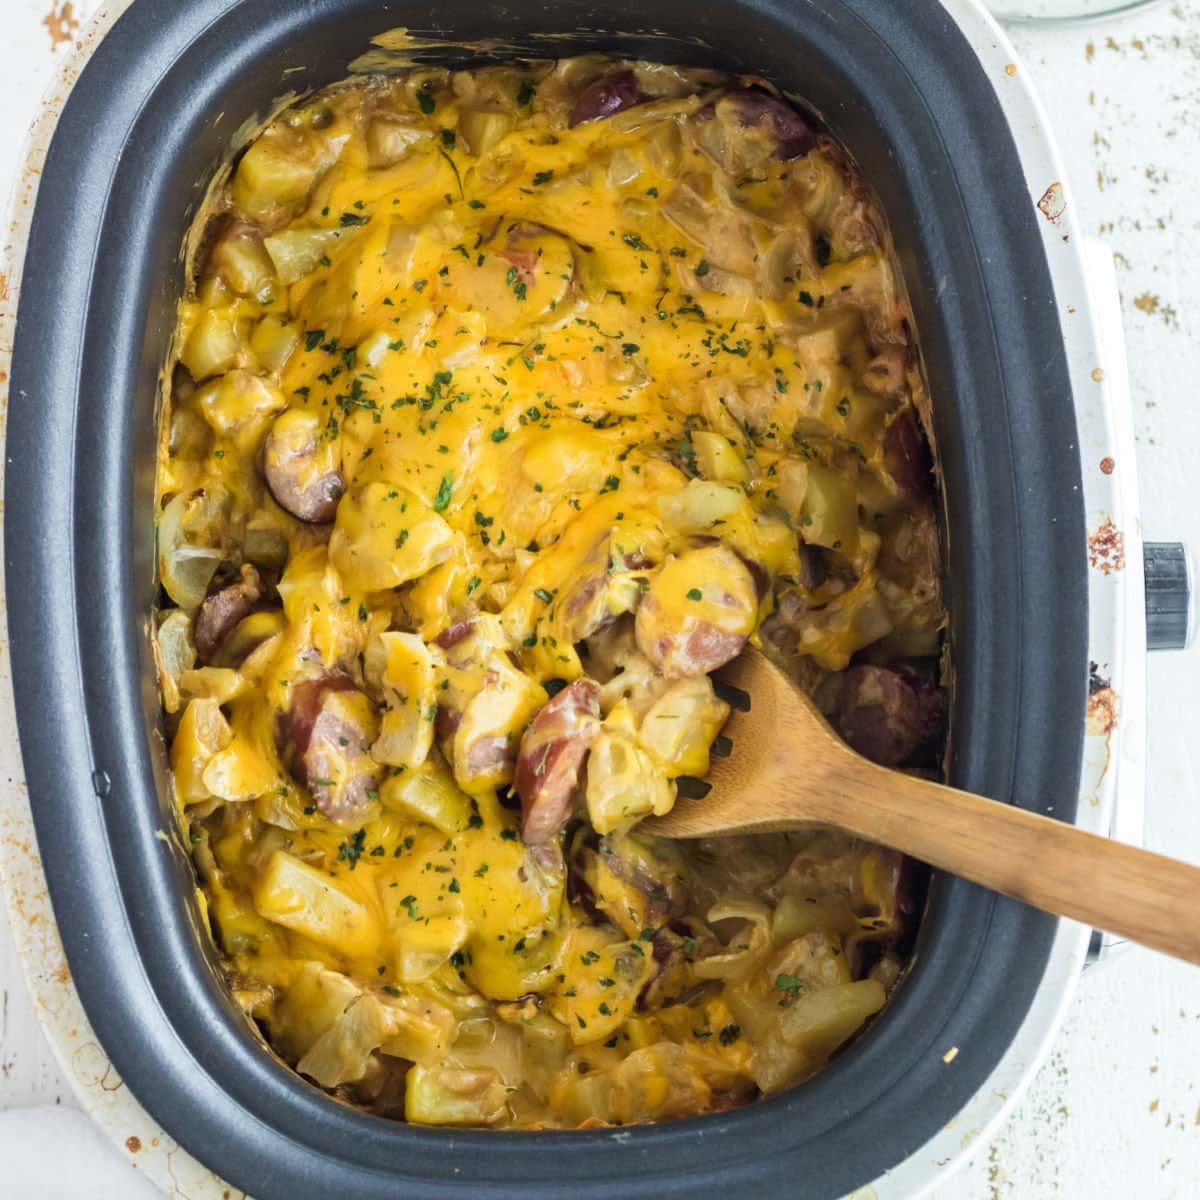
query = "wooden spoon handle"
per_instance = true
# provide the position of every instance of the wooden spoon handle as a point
(1144, 897)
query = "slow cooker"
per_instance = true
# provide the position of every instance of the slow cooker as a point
(1021, 340)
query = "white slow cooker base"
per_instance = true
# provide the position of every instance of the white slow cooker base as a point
(1091, 322)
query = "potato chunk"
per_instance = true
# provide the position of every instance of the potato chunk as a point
(443, 1095)
(405, 672)
(624, 782)
(681, 724)
(293, 894)
(203, 732)
(385, 535)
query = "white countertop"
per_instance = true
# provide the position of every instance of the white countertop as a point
(1115, 1112)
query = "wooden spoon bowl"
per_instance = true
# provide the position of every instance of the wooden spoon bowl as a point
(780, 766)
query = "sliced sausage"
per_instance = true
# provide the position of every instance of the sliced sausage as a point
(743, 131)
(887, 715)
(779, 122)
(907, 457)
(698, 612)
(338, 768)
(604, 588)
(300, 468)
(221, 611)
(453, 634)
(484, 703)
(760, 575)
(703, 648)
(612, 93)
(585, 610)
(523, 272)
(295, 725)
(551, 756)
(326, 736)
(445, 724)
(487, 755)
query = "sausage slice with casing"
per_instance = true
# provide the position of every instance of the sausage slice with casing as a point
(327, 736)
(300, 467)
(551, 756)
(698, 612)
(221, 611)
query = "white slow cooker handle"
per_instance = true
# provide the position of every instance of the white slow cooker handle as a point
(1158, 613)
(1170, 616)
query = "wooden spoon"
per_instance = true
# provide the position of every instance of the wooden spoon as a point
(788, 769)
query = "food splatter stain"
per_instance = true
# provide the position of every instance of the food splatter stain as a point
(61, 23)
(1106, 548)
(1152, 305)
(1107, 465)
(1103, 706)
(1053, 203)
(133, 1143)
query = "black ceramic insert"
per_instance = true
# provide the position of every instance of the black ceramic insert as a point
(140, 136)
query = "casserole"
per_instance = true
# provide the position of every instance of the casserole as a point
(464, 496)
(81, 477)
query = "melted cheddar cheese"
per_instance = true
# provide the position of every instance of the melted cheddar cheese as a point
(506, 405)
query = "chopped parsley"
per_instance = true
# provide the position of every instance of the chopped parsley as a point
(687, 456)
(350, 851)
(514, 281)
(441, 501)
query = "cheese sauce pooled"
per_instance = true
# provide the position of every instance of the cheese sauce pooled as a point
(506, 406)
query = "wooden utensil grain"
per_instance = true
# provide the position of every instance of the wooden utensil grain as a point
(786, 768)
